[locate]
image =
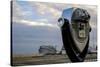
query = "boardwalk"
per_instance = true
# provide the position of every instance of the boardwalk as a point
(48, 59)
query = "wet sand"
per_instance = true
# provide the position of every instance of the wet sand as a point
(47, 59)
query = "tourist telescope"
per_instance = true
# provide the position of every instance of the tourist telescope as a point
(75, 29)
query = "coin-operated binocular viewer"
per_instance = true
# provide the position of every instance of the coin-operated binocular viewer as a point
(75, 29)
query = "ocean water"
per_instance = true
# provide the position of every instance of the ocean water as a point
(26, 40)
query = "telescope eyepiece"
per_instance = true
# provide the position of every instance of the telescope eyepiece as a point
(80, 15)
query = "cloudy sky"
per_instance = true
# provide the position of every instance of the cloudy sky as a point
(42, 14)
(37, 13)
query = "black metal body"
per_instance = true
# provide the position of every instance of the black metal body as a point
(75, 32)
